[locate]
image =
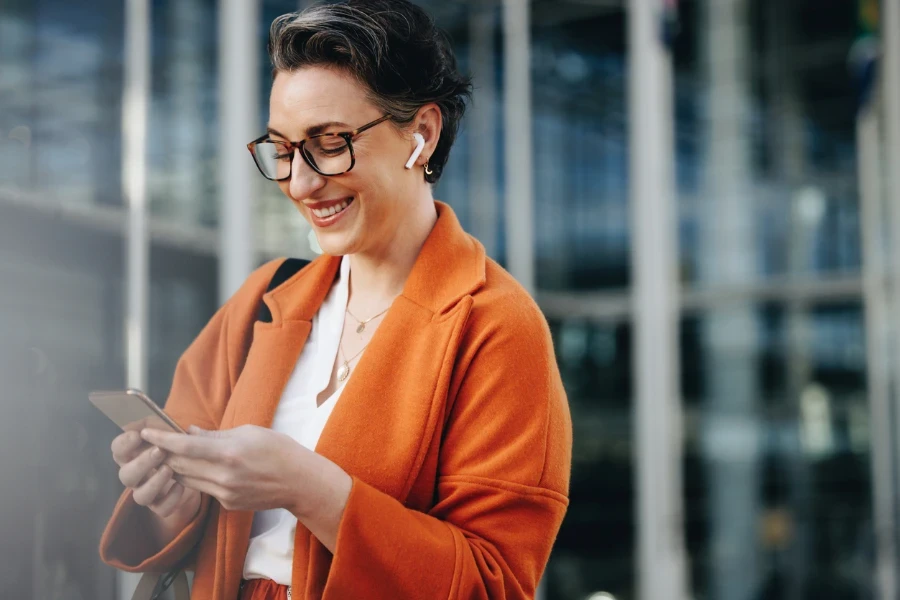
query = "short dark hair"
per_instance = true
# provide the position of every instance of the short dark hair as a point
(392, 47)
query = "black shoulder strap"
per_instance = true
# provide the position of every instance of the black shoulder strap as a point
(286, 270)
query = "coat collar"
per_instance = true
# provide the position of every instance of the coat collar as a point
(450, 266)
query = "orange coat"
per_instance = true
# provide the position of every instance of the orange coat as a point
(454, 427)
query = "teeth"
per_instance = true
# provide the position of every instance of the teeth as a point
(324, 213)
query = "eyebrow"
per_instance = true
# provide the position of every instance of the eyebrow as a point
(312, 130)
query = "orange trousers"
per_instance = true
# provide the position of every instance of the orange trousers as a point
(262, 589)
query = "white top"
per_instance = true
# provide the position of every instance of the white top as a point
(271, 550)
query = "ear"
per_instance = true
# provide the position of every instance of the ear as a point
(428, 122)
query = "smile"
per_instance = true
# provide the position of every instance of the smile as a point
(331, 213)
(324, 213)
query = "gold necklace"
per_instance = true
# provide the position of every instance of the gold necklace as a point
(344, 369)
(362, 324)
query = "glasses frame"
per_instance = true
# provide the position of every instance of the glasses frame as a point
(346, 135)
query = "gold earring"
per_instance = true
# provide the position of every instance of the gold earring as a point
(427, 170)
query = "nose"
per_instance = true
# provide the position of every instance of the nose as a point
(304, 180)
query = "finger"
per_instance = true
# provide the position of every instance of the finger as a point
(166, 504)
(134, 472)
(152, 490)
(186, 466)
(168, 487)
(126, 446)
(183, 444)
(172, 483)
(203, 486)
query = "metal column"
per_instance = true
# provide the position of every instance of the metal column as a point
(884, 438)
(518, 159)
(890, 74)
(239, 89)
(731, 425)
(483, 200)
(872, 216)
(135, 115)
(657, 422)
(518, 170)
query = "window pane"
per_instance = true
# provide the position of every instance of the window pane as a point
(777, 484)
(595, 548)
(765, 122)
(777, 460)
(580, 146)
(60, 101)
(183, 129)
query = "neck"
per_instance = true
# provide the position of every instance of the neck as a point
(377, 278)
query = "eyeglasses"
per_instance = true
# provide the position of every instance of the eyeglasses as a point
(326, 153)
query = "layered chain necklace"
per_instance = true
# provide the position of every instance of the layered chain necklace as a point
(344, 370)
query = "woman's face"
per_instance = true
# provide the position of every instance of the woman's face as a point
(378, 192)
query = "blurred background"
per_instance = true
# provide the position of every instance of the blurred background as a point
(733, 400)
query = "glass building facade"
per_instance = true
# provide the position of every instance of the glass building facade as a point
(778, 477)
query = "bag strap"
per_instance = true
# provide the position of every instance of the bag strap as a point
(286, 270)
(153, 585)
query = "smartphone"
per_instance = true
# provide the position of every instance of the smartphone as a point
(133, 410)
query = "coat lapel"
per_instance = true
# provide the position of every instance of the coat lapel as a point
(383, 422)
(389, 410)
(273, 355)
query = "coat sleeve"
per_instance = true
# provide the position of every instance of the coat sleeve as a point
(204, 377)
(502, 487)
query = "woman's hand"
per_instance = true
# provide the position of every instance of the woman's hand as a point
(142, 470)
(247, 468)
(253, 468)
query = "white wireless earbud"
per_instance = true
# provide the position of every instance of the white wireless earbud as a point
(420, 143)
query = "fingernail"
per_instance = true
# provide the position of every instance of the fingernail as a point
(157, 453)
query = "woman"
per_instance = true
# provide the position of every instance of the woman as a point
(399, 429)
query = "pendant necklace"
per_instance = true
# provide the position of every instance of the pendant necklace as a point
(362, 324)
(344, 369)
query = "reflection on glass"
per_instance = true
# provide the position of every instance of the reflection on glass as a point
(777, 488)
(776, 465)
(580, 146)
(765, 140)
(60, 83)
(594, 550)
(183, 128)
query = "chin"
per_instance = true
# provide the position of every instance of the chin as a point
(334, 244)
